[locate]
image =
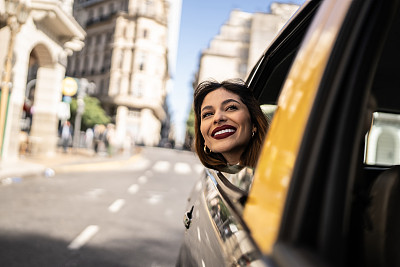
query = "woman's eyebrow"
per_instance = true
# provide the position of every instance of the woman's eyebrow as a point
(229, 100)
(206, 107)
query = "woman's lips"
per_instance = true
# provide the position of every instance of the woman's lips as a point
(223, 132)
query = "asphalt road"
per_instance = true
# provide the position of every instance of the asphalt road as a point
(110, 215)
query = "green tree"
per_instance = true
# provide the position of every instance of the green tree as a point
(189, 138)
(190, 124)
(93, 114)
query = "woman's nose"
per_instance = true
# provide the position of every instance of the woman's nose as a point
(219, 116)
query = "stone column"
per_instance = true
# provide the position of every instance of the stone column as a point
(44, 135)
(150, 128)
(122, 114)
(16, 102)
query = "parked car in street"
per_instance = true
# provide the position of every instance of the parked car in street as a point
(326, 188)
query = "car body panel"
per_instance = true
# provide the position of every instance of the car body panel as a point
(217, 235)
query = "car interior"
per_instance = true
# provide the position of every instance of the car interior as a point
(382, 158)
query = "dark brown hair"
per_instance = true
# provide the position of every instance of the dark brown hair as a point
(251, 153)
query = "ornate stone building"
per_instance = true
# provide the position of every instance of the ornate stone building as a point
(126, 56)
(40, 47)
(241, 41)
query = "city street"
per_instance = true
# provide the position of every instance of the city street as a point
(110, 215)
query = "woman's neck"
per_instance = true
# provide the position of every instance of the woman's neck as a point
(232, 160)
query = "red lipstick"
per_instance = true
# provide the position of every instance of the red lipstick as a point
(223, 132)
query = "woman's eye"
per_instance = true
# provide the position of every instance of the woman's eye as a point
(205, 115)
(232, 107)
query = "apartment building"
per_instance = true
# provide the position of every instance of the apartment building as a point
(241, 41)
(126, 57)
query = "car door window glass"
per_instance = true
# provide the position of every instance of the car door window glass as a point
(269, 111)
(383, 140)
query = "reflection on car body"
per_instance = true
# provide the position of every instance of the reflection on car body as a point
(326, 187)
(225, 229)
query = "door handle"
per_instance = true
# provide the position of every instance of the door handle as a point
(187, 218)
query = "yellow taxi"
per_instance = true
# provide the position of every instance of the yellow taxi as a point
(326, 189)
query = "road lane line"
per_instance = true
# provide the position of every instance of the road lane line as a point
(95, 193)
(103, 165)
(116, 205)
(162, 166)
(133, 189)
(83, 237)
(182, 168)
(154, 199)
(142, 179)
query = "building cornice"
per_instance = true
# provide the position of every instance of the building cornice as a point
(49, 14)
(88, 3)
(158, 19)
(133, 102)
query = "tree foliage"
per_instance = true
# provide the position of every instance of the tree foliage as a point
(190, 124)
(93, 114)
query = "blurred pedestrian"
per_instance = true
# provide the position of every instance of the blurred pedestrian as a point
(66, 135)
(110, 139)
(99, 136)
(89, 138)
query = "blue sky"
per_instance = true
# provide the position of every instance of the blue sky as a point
(200, 22)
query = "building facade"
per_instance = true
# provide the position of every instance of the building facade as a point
(40, 47)
(126, 56)
(240, 42)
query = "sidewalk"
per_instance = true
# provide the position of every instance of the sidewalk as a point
(30, 166)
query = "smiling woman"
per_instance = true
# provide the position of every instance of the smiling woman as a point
(229, 125)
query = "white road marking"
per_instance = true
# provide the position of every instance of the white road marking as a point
(133, 189)
(116, 205)
(140, 164)
(182, 168)
(198, 234)
(83, 237)
(96, 192)
(142, 179)
(161, 166)
(154, 199)
(208, 239)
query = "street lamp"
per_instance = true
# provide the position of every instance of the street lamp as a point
(84, 88)
(16, 14)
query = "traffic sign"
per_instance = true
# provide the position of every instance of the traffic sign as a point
(69, 86)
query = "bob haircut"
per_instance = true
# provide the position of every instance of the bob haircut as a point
(250, 156)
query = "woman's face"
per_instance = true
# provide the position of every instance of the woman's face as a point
(225, 124)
